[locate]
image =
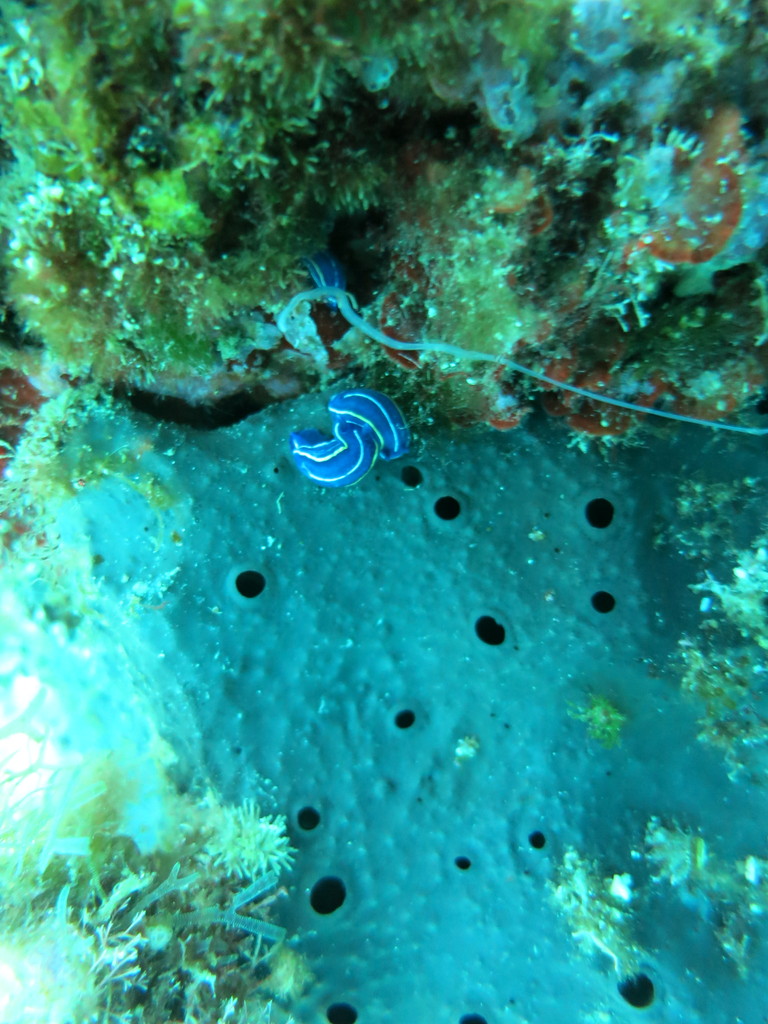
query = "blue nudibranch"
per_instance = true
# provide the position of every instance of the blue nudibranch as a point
(326, 271)
(366, 424)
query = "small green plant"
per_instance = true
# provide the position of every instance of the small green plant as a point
(603, 720)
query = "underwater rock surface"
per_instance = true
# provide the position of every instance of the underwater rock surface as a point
(424, 668)
(483, 738)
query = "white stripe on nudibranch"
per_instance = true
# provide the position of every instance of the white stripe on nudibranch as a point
(382, 417)
(351, 474)
(322, 452)
(326, 272)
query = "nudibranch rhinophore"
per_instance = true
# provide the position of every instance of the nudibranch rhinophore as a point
(366, 424)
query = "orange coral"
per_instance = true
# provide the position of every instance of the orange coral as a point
(710, 207)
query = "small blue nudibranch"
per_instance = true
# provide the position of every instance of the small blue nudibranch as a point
(366, 424)
(326, 272)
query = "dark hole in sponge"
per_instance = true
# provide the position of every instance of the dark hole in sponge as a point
(327, 894)
(250, 583)
(341, 1013)
(599, 513)
(404, 719)
(637, 990)
(490, 631)
(308, 818)
(603, 602)
(447, 507)
(411, 476)
(537, 840)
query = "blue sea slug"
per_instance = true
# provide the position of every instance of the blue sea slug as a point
(366, 424)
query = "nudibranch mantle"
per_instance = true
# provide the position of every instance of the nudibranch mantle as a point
(366, 424)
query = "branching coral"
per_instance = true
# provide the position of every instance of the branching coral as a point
(734, 896)
(103, 945)
(743, 600)
(113, 883)
(596, 911)
(724, 670)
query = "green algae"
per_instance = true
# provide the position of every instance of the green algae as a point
(166, 166)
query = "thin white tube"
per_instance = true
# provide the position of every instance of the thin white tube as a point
(344, 302)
